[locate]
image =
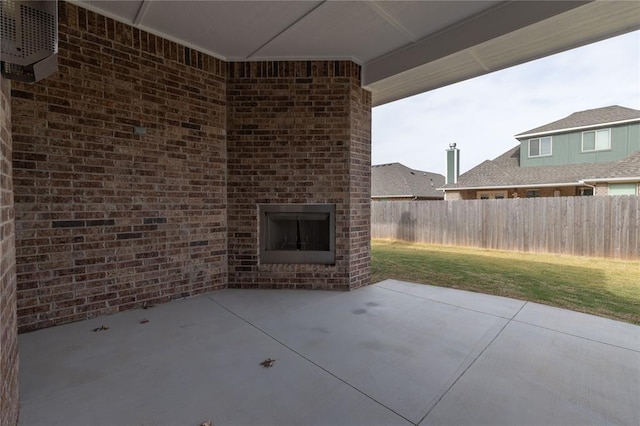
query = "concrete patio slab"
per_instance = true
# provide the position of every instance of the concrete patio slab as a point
(531, 375)
(583, 325)
(192, 361)
(391, 353)
(494, 305)
(382, 342)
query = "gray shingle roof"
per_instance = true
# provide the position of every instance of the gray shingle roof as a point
(395, 179)
(505, 170)
(591, 117)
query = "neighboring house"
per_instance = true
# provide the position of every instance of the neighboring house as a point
(395, 181)
(593, 152)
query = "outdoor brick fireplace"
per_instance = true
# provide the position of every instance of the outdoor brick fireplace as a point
(298, 133)
(110, 218)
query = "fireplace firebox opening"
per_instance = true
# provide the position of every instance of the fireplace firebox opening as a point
(297, 233)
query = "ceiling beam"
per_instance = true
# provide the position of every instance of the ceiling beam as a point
(494, 22)
(391, 21)
(589, 23)
(287, 28)
(144, 6)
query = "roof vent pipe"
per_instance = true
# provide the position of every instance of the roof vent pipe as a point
(453, 164)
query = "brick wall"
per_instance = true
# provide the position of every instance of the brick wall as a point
(360, 187)
(565, 191)
(601, 189)
(8, 325)
(108, 219)
(297, 134)
(453, 195)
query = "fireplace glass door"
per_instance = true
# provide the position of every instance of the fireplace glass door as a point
(297, 233)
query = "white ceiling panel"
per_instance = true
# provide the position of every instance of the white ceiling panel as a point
(423, 18)
(230, 29)
(350, 30)
(124, 11)
(405, 47)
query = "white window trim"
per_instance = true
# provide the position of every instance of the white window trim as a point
(538, 139)
(595, 149)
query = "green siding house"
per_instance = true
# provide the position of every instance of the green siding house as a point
(593, 152)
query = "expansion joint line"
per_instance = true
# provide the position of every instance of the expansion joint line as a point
(308, 360)
(472, 362)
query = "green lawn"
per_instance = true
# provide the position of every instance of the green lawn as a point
(605, 287)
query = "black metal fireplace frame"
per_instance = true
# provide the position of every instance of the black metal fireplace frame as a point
(296, 256)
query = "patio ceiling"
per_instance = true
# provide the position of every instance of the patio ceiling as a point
(405, 47)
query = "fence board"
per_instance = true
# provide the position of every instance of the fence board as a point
(587, 226)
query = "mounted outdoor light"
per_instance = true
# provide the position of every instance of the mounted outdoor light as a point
(28, 39)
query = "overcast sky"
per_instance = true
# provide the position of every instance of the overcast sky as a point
(483, 114)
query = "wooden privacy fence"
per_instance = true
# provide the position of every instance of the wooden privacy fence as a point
(604, 226)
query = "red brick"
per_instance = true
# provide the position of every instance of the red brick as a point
(8, 279)
(298, 136)
(155, 217)
(91, 171)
